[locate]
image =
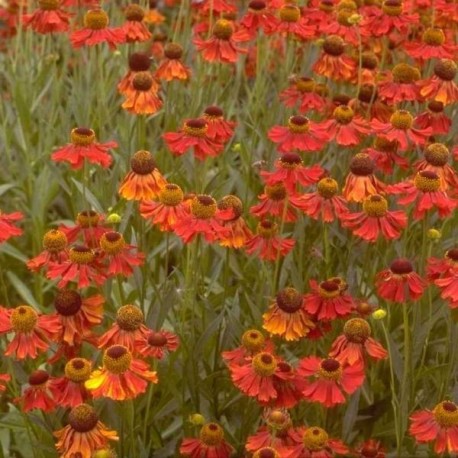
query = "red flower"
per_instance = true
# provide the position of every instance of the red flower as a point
(444, 274)
(259, 16)
(434, 118)
(252, 343)
(328, 299)
(84, 147)
(134, 29)
(143, 98)
(7, 229)
(384, 154)
(40, 393)
(441, 87)
(87, 227)
(302, 91)
(431, 46)
(439, 426)
(376, 220)
(49, 18)
(399, 283)
(352, 346)
(216, 6)
(328, 379)
(219, 129)
(156, 344)
(400, 85)
(55, 251)
(96, 31)
(274, 202)
(300, 135)
(292, 23)
(171, 67)
(194, 134)
(289, 386)
(211, 444)
(370, 449)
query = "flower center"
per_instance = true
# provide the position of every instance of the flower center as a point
(117, 359)
(38, 377)
(375, 206)
(156, 339)
(367, 93)
(129, 317)
(171, 195)
(289, 300)
(433, 36)
(315, 438)
(435, 106)
(139, 62)
(267, 229)
(54, 241)
(446, 414)
(81, 136)
(401, 267)
(266, 452)
(142, 163)
(385, 146)
(87, 218)
(142, 81)
(264, 364)
(173, 51)
(112, 243)
(452, 254)
(343, 15)
(392, 7)
(257, 5)
(23, 319)
(278, 419)
(330, 369)
(401, 119)
(326, 5)
(328, 289)
(253, 340)
(290, 13)
(298, 124)
(369, 60)
(327, 187)
(290, 161)
(437, 154)
(427, 181)
(305, 85)
(67, 302)
(211, 434)
(343, 114)
(78, 370)
(405, 74)
(81, 254)
(83, 418)
(334, 45)
(233, 202)
(213, 112)
(223, 29)
(96, 19)
(362, 165)
(196, 127)
(445, 69)
(134, 13)
(203, 206)
(357, 330)
(49, 5)
(275, 192)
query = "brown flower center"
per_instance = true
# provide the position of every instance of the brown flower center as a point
(142, 81)
(385, 146)
(327, 187)
(213, 112)
(134, 13)
(67, 302)
(452, 254)
(157, 339)
(117, 359)
(83, 418)
(427, 181)
(330, 369)
(173, 51)
(81, 136)
(329, 289)
(433, 36)
(289, 300)
(401, 267)
(367, 93)
(405, 74)
(392, 7)
(333, 45)
(267, 229)
(375, 206)
(437, 154)
(139, 62)
(231, 201)
(445, 69)
(305, 85)
(362, 165)
(112, 243)
(49, 5)
(223, 29)
(357, 330)
(257, 5)
(142, 163)
(196, 127)
(298, 124)
(96, 19)
(435, 106)
(290, 13)
(38, 377)
(401, 119)
(369, 60)
(266, 452)
(275, 192)
(129, 317)
(446, 414)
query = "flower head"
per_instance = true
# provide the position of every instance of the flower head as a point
(7, 228)
(134, 28)
(156, 344)
(142, 97)
(171, 67)
(48, 18)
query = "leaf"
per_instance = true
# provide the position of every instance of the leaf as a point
(22, 290)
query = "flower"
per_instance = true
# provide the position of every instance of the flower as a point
(55, 250)
(7, 228)
(121, 376)
(144, 181)
(259, 17)
(328, 379)
(299, 135)
(3, 379)
(96, 31)
(288, 384)
(292, 23)
(274, 202)
(400, 85)
(138, 62)
(287, 317)
(217, 6)
(219, 129)
(399, 283)
(32, 331)
(84, 147)
(128, 328)
(432, 46)
(328, 299)
(134, 29)
(302, 91)
(194, 134)
(385, 156)
(435, 118)
(439, 426)
(370, 449)
(39, 394)
(171, 67)
(376, 220)
(351, 347)
(156, 344)
(444, 274)
(143, 98)
(48, 18)
(441, 87)
(84, 434)
(88, 226)
(210, 444)
(252, 342)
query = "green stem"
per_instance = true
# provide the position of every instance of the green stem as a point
(405, 386)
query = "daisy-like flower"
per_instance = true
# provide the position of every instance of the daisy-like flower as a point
(324, 203)
(399, 283)
(267, 244)
(84, 434)
(439, 426)
(370, 449)
(400, 85)
(40, 394)
(201, 219)
(432, 46)
(287, 317)
(328, 379)
(444, 274)
(229, 214)
(69, 390)
(96, 31)
(87, 228)
(143, 98)
(134, 28)
(81, 267)
(121, 257)
(265, 452)
(171, 67)
(121, 376)
(194, 134)
(328, 299)
(138, 62)
(259, 17)
(345, 128)
(157, 344)
(299, 135)
(55, 250)
(48, 18)
(289, 385)
(435, 118)
(368, 100)
(222, 45)
(441, 87)
(352, 346)
(302, 92)
(33, 332)
(128, 328)
(292, 23)
(290, 171)
(219, 129)
(210, 444)
(274, 202)
(252, 342)
(376, 220)
(314, 442)
(384, 154)
(144, 181)
(342, 25)
(84, 147)
(424, 191)
(153, 15)
(7, 227)
(222, 7)
(400, 128)
(332, 62)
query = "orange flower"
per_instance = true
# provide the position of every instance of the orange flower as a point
(152, 15)
(171, 67)
(144, 181)
(274, 201)
(211, 443)
(40, 394)
(432, 46)
(49, 18)
(219, 129)
(385, 155)
(121, 376)
(302, 91)
(291, 22)
(84, 434)
(441, 86)
(157, 344)
(138, 62)
(434, 118)
(7, 229)
(287, 317)
(55, 250)
(133, 28)
(143, 98)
